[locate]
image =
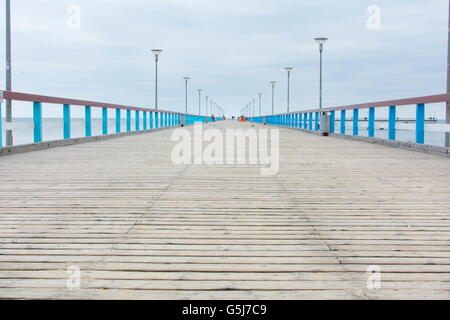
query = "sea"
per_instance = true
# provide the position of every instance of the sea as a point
(53, 130)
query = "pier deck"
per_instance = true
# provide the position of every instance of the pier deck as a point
(140, 227)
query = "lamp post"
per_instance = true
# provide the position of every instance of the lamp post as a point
(156, 52)
(288, 69)
(324, 123)
(253, 111)
(321, 42)
(207, 97)
(273, 96)
(260, 96)
(199, 101)
(186, 79)
(9, 135)
(447, 114)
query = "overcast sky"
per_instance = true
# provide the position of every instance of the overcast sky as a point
(230, 48)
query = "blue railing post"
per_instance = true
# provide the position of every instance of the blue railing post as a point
(316, 126)
(420, 123)
(332, 121)
(343, 121)
(392, 119)
(37, 119)
(1, 126)
(310, 121)
(118, 123)
(305, 121)
(128, 120)
(87, 121)
(137, 121)
(144, 120)
(104, 120)
(371, 122)
(300, 120)
(151, 120)
(66, 120)
(355, 122)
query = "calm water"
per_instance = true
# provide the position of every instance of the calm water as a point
(53, 130)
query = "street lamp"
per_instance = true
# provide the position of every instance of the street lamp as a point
(186, 79)
(9, 134)
(207, 97)
(321, 42)
(323, 115)
(253, 111)
(260, 96)
(156, 52)
(288, 69)
(273, 95)
(199, 101)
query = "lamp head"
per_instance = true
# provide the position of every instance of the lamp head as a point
(156, 51)
(186, 78)
(321, 41)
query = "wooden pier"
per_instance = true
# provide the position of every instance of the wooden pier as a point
(140, 227)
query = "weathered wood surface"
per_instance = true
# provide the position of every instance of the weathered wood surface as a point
(140, 227)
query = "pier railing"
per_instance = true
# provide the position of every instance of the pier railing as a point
(150, 119)
(310, 119)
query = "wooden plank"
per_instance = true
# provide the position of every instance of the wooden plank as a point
(139, 227)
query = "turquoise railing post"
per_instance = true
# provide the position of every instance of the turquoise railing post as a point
(317, 122)
(1, 126)
(343, 120)
(300, 120)
(355, 122)
(420, 123)
(166, 120)
(37, 119)
(66, 120)
(144, 120)
(371, 122)
(87, 121)
(310, 121)
(150, 118)
(305, 121)
(104, 121)
(156, 120)
(137, 126)
(118, 121)
(332, 121)
(128, 120)
(392, 119)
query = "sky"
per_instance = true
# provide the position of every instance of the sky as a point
(231, 49)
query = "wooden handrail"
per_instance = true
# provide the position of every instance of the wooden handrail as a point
(19, 96)
(399, 102)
